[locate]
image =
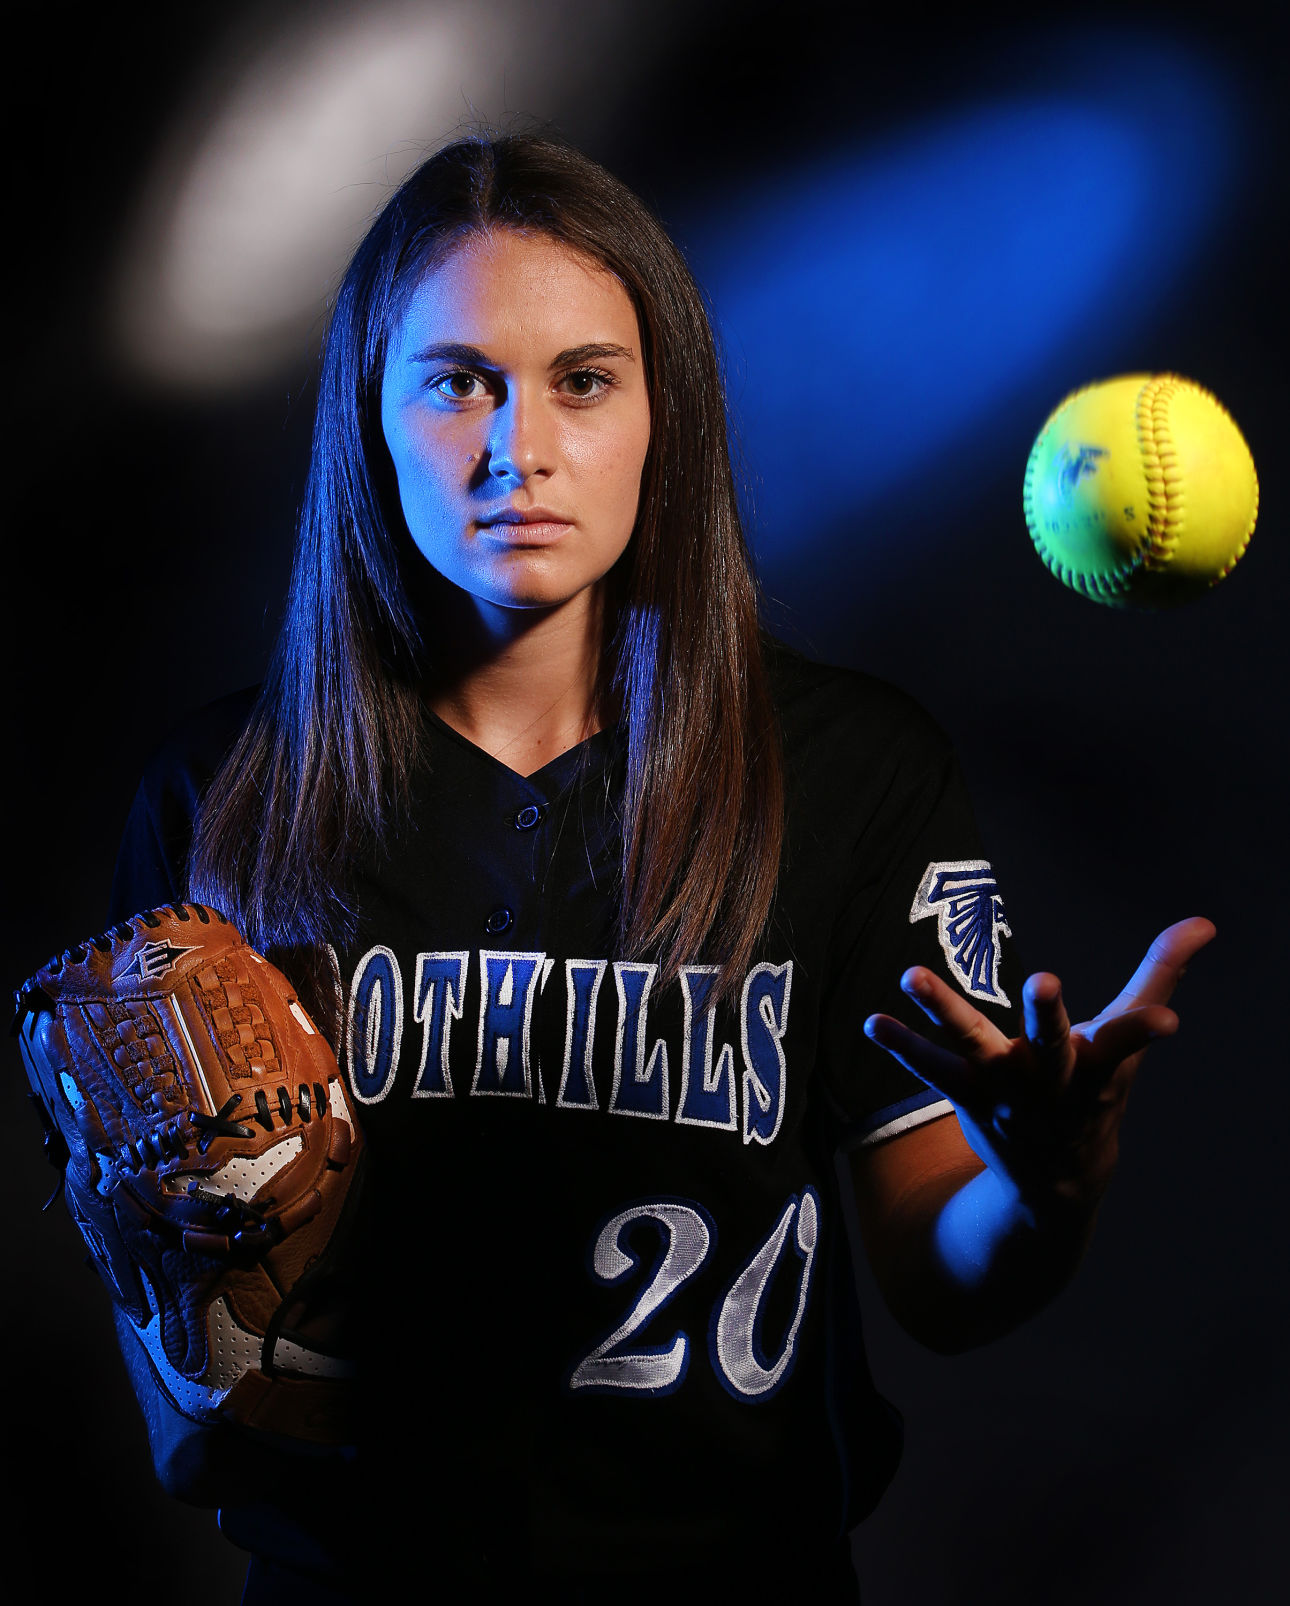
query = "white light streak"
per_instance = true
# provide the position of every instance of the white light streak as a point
(296, 140)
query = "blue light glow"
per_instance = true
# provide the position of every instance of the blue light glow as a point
(898, 302)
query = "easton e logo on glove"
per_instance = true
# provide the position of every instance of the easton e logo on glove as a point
(155, 959)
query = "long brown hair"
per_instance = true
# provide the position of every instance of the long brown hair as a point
(324, 764)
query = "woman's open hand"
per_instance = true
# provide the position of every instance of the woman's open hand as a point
(1043, 1111)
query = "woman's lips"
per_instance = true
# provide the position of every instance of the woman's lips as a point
(527, 530)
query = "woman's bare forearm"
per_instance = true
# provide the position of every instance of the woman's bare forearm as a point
(975, 1263)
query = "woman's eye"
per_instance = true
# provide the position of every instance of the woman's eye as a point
(586, 383)
(460, 385)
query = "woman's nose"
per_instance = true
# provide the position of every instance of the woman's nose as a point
(520, 442)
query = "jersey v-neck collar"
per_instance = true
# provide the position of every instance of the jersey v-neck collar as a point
(584, 758)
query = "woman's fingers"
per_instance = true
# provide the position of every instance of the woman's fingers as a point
(1082, 1061)
(975, 1035)
(1116, 1038)
(1154, 980)
(941, 1068)
(1047, 1026)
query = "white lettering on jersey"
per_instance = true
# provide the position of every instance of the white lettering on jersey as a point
(507, 982)
(687, 1234)
(707, 1096)
(643, 1090)
(437, 1001)
(711, 1094)
(582, 986)
(741, 1365)
(374, 1029)
(763, 1019)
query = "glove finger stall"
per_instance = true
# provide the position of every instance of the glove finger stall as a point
(211, 1148)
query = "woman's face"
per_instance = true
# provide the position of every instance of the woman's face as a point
(515, 410)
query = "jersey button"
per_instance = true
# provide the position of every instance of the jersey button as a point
(498, 922)
(528, 817)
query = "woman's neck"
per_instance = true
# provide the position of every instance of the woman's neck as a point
(521, 684)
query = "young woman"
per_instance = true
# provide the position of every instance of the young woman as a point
(613, 906)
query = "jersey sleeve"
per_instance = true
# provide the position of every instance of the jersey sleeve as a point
(152, 861)
(147, 874)
(920, 891)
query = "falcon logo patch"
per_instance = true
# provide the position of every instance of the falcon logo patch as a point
(155, 959)
(964, 897)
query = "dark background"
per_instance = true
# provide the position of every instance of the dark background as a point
(1127, 1445)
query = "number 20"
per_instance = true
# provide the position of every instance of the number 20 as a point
(687, 1234)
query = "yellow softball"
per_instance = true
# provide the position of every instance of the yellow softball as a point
(1140, 491)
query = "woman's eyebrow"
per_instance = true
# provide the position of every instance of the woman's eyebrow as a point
(472, 356)
(452, 351)
(599, 348)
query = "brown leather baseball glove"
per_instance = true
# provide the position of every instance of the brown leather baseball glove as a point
(210, 1153)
